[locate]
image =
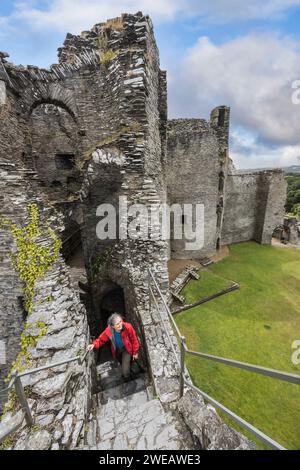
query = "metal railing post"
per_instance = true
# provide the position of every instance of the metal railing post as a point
(182, 362)
(23, 400)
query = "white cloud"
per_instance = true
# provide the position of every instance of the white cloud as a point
(76, 15)
(252, 74)
(224, 11)
(247, 152)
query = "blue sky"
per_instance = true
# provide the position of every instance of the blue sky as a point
(242, 54)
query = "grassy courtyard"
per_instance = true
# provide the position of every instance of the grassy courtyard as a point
(256, 324)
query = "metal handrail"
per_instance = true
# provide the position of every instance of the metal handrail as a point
(17, 383)
(276, 374)
(164, 302)
(172, 345)
(279, 375)
(259, 434)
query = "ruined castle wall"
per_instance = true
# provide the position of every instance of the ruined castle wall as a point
(197, 153)
(128, 166)
(69, 109)
(12, 186)
(13, 128)
(254, 206)
(274, 206)
(55, 148)
(129, 121)
(240, 208)
(59, 398)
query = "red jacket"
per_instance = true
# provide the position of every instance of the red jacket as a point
(128, 335)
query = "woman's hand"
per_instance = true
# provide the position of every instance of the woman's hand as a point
(90, 347)
(135, 356)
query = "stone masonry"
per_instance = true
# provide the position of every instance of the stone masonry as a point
(93, 130)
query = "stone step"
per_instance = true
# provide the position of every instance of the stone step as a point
(144, 427)
(111, 408)
(111, 382)
(123, 390)
(128, 417)
(206, 261)
(110, 375)
(121, 416)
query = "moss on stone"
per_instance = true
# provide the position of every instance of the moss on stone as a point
(107, 56)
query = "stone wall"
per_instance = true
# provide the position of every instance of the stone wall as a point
(196, 173)
(55, 149)
(254, 206)
(86, 132)
(129, 166)
(14, 195)
(291, 228)
(59, 398)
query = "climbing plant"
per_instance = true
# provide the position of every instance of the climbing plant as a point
(32, 259)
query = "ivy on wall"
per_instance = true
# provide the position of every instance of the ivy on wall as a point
(32, 260)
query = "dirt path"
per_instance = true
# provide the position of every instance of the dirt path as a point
(175, 266)
(222, 253)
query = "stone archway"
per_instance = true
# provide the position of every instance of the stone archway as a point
(51, 93)
(107, 298)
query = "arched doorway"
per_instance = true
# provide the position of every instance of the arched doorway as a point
(108, 298)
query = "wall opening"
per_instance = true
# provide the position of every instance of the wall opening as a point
(71, 242)
(111, 300)
(221, 118)
(221, 181)
(56, 184)
(65, 161)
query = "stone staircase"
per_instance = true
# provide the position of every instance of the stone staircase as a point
(127, 416)
(205, 261)
(189, 272)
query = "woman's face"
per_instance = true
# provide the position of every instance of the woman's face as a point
(118, 325)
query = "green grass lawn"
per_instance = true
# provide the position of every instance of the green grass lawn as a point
(256, 324)
(208, 284)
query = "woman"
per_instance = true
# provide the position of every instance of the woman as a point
(124, 342)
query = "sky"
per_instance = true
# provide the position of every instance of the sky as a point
(245, 55)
